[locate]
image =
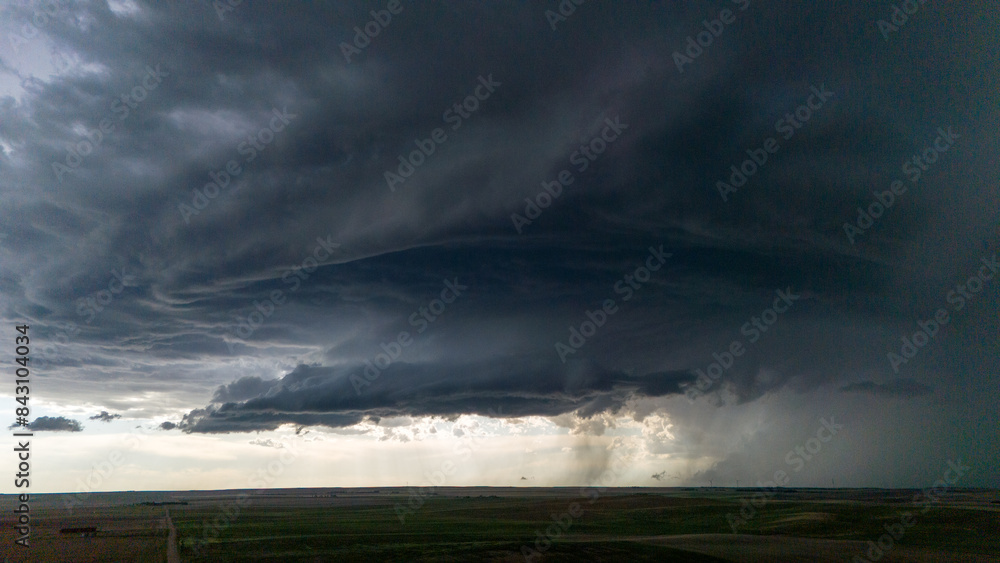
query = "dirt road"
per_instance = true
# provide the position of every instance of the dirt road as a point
(172, 555)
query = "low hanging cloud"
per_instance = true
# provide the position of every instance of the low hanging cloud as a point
(105, 416)
(242, 389)
(52, 424)
(267, 443)
(316, 395)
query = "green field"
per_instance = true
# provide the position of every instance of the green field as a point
(619, 525)
(506, 524)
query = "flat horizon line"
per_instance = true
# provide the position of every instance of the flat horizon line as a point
(458, 487)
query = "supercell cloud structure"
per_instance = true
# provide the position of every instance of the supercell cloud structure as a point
(236, 294)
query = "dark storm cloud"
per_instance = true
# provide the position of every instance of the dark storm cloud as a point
(52, 424)
(158, 293)
(105, 416)
(508, 387)
(897, 388)
(241, 390)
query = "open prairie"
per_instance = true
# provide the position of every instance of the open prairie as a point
(524, 524)
(125, 532)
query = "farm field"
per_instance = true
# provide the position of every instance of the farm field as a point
(510, 524)
(125, 533)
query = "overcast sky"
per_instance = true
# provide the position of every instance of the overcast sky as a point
(503, 236)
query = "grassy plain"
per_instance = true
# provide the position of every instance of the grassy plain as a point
(502, 524)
